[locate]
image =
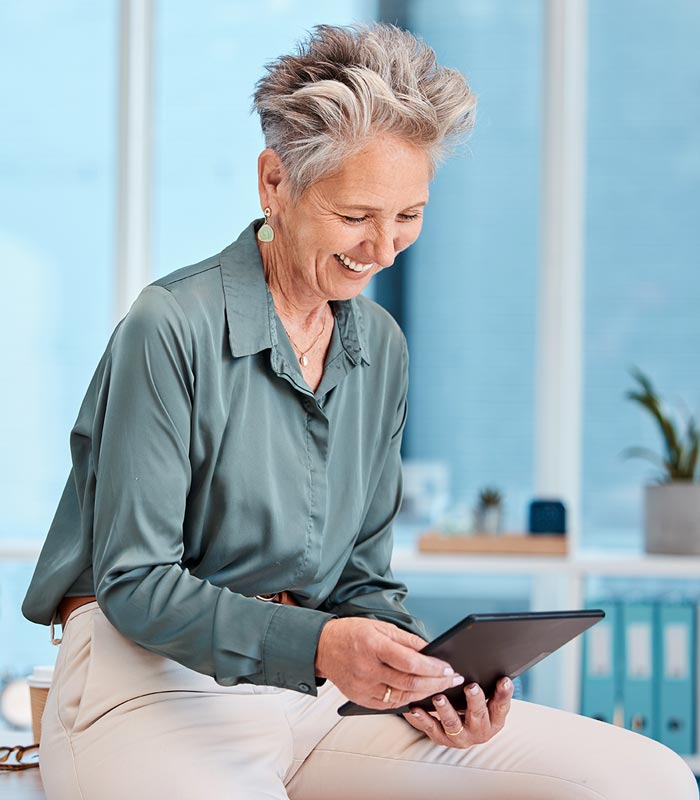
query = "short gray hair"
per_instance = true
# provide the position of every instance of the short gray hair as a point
(348, 84)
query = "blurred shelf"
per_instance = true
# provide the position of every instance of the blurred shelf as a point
(20, 550)
(583, 564)
(493, 544)
(408, 559)
(598, 562)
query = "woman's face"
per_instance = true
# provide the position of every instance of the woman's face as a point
(365, 214)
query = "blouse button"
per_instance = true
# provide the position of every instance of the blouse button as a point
(304, 687)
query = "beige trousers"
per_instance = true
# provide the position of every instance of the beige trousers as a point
(121, 722)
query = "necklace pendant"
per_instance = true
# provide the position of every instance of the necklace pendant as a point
(303, 361)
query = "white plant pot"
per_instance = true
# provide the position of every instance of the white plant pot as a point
(488, 520)
(672, 518)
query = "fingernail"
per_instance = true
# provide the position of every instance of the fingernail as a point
(506, 684)
(440, 701)
(473, 689)
(448, 671)
(457, 680)
(415, 713)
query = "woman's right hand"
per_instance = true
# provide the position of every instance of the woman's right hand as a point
(363, 657)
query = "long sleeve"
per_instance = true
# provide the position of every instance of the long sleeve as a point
(141, 441)
(367, 587)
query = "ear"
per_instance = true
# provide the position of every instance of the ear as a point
(271, 174)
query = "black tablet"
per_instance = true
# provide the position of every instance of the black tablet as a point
(486, 647)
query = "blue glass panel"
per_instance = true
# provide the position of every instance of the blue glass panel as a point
(58, 66)
(642, 245)
(57, 179)
(471, 283)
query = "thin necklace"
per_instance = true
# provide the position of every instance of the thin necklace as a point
(303, 360)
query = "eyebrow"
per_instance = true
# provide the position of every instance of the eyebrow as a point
(361, 207)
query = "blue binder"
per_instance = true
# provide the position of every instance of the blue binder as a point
(676, 654)
(600, 688)
(640, 670)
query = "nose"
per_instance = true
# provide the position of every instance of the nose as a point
(384, 247)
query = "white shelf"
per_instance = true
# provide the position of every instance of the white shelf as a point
(20, 550)
(584, 564)
(653, 566)
(410, 560)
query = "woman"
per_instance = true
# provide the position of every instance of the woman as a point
(220, 558)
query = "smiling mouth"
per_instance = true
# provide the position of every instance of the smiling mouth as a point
(348, 263)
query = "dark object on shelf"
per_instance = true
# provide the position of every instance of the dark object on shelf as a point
(547, 516)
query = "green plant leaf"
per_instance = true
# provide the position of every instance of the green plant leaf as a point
(690, 462)
(490, 497)
(649, 399)
(646, 454)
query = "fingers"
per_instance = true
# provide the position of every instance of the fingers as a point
(431, 727)
(481, 721)
(499, 704)
(414, 682)
(411, 675)
(452, 724)
(476, 717)
(404, 658)
(448, 729)
(406, 688)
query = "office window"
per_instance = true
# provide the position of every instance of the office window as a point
(206, 141)
(57, 167)
(57, 173)
(642, 284)
(471, 279)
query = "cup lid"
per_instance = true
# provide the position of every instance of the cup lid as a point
(42, 674)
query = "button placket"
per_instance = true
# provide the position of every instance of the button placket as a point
(318, 426)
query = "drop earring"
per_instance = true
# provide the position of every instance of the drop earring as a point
(266, 234)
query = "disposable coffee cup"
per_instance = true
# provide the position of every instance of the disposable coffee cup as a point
(39, 684)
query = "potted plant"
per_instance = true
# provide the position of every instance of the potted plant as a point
(672, 504)
(488, 511)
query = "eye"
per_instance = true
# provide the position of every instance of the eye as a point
(354, 220)
(408, 217)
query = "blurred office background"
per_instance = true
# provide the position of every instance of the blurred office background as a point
(475, 296)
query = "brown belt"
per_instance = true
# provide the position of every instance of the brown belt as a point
(68, 605)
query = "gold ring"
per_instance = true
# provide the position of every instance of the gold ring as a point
(455, 734)
(387, 695)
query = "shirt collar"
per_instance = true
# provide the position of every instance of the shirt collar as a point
(250, 308)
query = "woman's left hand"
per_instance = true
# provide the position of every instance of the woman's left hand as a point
(482, 720)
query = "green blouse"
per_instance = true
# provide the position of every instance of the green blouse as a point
(205, 471)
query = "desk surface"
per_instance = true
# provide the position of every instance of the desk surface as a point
(24, 785)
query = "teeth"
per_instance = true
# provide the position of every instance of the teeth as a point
(350, 264)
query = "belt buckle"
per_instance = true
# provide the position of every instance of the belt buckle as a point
(273, 597)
